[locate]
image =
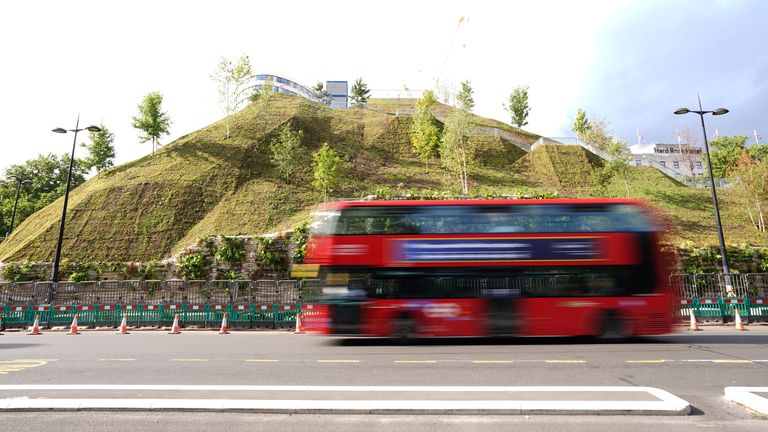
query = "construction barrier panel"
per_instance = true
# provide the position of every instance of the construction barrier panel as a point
(285, 316)
(108, 315)
(710, 311)
(263, 316)
(61, 315)
(684, 307)
(87, 315)
(742, 304)
(758, 310)
(16, 316)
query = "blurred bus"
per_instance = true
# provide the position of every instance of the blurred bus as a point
(491, 268)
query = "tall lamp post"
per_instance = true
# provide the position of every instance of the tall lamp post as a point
(19, 181)
(701, 112)
(55, 275)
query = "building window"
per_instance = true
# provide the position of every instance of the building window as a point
(698, 165)
(638, 163)
(663, 164)
(675, 164)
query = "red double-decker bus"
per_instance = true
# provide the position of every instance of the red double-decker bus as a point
(492, 267)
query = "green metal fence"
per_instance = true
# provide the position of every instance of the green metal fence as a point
(137, 315)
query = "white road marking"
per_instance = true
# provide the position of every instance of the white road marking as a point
(746, 396)
(667, 404)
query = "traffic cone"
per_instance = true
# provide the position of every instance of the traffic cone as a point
(299, 328)
(35, 327)
(175, 328)
(694, 324)
(224, 327)
(737, 319)
(73, 327)
(123, 325)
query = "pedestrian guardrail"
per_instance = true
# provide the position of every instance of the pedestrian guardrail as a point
(144, 315)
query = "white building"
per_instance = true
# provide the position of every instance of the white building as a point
(677, 160)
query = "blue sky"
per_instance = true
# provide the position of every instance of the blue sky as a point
(628, 62)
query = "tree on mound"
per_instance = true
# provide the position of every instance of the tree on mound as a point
(328, 169)
(152, 120)
(425, 129)
(232, 79)
(457, 153)
(286, 152)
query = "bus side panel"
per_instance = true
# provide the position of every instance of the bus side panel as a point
(580, 316)
(432, 317)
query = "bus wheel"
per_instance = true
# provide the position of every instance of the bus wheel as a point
(611, 327)
(404, 328)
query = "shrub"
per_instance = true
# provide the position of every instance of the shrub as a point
(18, 272)
(79, 276)
(192, 266)
(232, 250)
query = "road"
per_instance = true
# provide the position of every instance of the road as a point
(693, 366)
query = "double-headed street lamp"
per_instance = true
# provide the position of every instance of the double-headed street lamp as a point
(55, 275)
(19, 181)
(701, 112)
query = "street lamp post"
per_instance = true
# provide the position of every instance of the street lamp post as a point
(701, 112)
(57, 260)
(19, 181)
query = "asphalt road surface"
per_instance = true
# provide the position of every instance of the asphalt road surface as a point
(693, 366)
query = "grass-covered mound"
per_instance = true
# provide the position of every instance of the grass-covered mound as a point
(205, 184)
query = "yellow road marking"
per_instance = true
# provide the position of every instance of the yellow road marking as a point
(116, 360)
(731, 361)
(492, 361)
(261, 361)
(645, 361)
(415, 361)
(338, 361)
(189, 360)
(7, 367)
(565, 361)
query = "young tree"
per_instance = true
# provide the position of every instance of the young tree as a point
(359, 93)
(322, 94)
(425, 129)
(581, 123)
(464, 98)
(152, 120)
(101, 150)
(232, 80)
(597, 135)
(286, 151)
(328, 169)
(456, 153)
(724, 152)
(752, 187)
(618, 160)
(518, 106)
(688, 156)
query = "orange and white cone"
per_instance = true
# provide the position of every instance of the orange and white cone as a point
(224, 327)
(35, 327)
(73, 327)
(175, 328)
(694, 324)
(299, 328)
(737, 320)
(123, 325)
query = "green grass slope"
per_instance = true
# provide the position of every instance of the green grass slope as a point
(204, 184)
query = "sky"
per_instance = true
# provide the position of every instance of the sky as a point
(630, 63)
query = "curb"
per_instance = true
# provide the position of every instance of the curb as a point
(746, 396)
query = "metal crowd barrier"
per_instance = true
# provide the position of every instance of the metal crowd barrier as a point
(160, 292)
